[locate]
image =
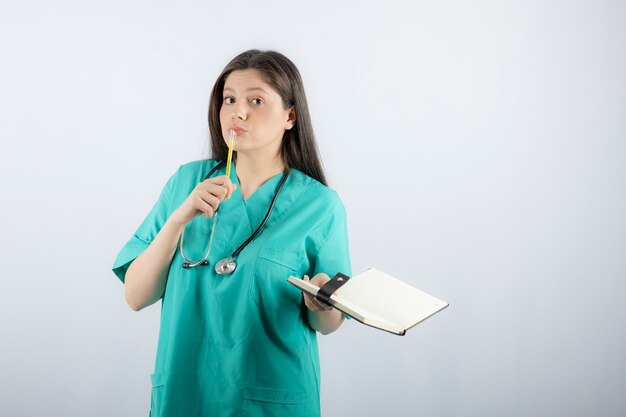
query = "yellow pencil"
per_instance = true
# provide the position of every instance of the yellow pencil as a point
(230, 152)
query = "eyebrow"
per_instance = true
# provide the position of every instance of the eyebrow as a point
(247, 89)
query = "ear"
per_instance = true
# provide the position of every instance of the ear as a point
(291, 121)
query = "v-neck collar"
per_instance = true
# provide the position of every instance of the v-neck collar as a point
(251, 211)
(257, 204)
(268, 186)
(246, 215)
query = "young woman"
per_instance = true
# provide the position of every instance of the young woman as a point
(242, 343)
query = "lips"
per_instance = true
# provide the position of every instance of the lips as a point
(238, 130)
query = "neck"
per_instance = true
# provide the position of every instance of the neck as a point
(253, 172)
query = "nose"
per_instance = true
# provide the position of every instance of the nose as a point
(239, 112)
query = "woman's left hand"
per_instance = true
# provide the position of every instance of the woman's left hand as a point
(310, 301)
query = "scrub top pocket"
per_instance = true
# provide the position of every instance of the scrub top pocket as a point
(266, 402)
(158, 384)
(280, 301)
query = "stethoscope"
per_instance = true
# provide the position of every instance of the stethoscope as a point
(228, 265)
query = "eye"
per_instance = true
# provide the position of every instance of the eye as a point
(256, 101)
(229, 100)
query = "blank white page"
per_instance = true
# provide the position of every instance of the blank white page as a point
(389, 298)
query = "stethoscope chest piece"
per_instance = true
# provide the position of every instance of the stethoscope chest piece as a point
(225, 266)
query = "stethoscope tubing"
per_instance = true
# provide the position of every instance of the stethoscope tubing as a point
(191, 264)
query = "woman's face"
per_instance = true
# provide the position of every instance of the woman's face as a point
(255, 111)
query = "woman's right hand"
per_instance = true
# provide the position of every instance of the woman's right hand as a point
(204, 199)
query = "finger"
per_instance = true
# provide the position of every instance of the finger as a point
(225, 182)
(322, 306)
(210, 199)
(308, 302)
(216, 190)
(230, 187)
(317, 306)
(219, 180)
(308, 299)
(312, 304)
(320, 279)
(203, 207)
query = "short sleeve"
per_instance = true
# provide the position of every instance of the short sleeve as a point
(334, 254)
(147, 231)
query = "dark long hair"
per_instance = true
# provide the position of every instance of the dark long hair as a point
(298, 149)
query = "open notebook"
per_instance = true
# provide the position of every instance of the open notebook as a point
(380, 300)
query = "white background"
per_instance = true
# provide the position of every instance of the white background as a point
(479, 148)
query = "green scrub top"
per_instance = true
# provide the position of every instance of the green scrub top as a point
(240, 344)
